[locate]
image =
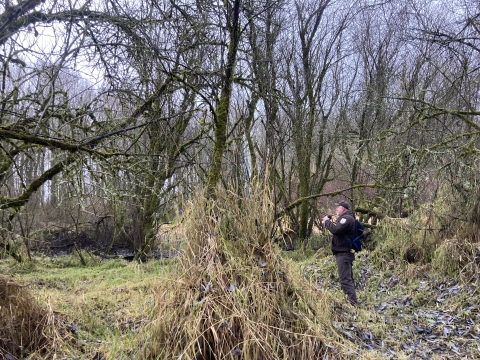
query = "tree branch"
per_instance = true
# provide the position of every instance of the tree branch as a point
(6, 202)
(315, 196)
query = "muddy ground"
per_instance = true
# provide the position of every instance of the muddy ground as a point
(67, 243)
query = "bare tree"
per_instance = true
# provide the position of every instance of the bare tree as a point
(312, 65)
(131, 79)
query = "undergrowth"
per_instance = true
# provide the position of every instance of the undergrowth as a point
(234, 295)
(443, 235)
(27, 329)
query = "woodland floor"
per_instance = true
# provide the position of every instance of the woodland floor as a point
(406, 314)
(66, 243)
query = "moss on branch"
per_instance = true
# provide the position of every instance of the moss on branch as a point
(34, 185)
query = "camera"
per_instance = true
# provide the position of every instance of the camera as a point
(329, 216)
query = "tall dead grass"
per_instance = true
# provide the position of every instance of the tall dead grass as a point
(26, 329)
(234, 297)
(458, 257)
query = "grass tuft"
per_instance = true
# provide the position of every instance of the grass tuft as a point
(234, 295)
(25, 327)
(456, 257)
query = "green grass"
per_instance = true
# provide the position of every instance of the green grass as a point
(107, 302)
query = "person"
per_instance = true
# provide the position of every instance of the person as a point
(342, 232)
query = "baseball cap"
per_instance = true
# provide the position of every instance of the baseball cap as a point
(343, 203)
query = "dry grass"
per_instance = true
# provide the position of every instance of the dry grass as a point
(25, 327)
(398, 242)
(234, 296)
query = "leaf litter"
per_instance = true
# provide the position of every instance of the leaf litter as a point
(414, 317)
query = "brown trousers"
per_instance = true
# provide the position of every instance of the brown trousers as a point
(345, 274)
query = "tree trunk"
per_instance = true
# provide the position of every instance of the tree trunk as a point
(221, 115)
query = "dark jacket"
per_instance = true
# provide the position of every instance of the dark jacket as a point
(342, 231)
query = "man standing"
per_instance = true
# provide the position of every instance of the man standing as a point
(343, 231)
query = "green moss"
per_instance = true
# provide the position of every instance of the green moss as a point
(447, 260)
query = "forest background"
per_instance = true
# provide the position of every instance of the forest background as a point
(114, 115)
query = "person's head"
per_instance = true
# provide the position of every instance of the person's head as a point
(342, 207)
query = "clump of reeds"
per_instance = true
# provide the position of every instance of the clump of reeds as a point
(234, 296)
(458, 251)
(26, 329)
